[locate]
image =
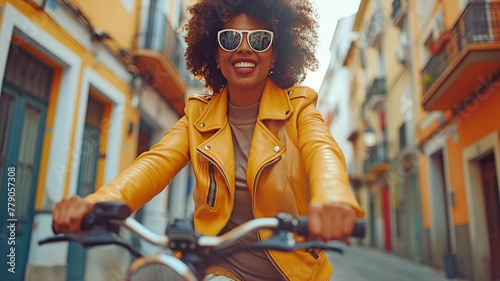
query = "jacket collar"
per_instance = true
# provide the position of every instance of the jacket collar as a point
(274, 105)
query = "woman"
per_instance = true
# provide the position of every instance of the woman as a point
(258, 145)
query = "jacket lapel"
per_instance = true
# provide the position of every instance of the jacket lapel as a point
(275, 105)
(218, 146)
(265, 148)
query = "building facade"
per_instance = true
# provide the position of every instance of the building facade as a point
(459, 71)
(83, 91)
(424, 85)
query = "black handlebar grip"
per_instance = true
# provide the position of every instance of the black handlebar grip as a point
(359, 230)
(88, 221)
(302, 227)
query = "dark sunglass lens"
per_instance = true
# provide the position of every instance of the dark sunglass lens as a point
(260, 40)
(229, 40)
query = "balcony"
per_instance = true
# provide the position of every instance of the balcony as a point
(355, 172)
(466, 59)
(376, 160)
(375, 97)
(353, 124)
(399, 8)
(375, 29)
(160, 59)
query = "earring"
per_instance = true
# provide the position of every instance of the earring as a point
(270, 72)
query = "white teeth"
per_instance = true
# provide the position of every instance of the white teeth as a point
(244, 65)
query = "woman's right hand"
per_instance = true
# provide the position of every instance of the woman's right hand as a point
(68, 214)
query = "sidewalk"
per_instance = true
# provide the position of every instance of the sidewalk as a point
(365, 264)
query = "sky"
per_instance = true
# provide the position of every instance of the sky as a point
(330, 11)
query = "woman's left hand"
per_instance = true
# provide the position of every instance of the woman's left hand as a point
(331, 221)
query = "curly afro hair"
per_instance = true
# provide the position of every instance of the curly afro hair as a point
(292, 21)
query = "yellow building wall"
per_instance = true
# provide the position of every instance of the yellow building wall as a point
(129, 142)
(472, 125)
(479, 119)
(450, 11)
(396, 89)
(396, 80)
(113, 18)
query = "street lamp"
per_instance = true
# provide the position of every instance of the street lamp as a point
(369, 136)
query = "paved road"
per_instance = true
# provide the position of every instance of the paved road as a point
(360, 264)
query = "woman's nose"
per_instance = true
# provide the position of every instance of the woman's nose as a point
(244, 47)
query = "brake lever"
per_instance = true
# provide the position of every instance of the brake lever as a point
(96, 236)
(280, 241)
(93, 237)
(277, 243)
(318, 245)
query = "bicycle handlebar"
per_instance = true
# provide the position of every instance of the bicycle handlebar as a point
(112, 215)
(103, 223)
(117, 215)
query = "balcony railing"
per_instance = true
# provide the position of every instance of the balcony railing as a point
(375, 28)
(375, 157)
(376, 94)
(161, 37)
(465, 44)
(398, 12)
(355, 173)
(353, 125)
(159, 56)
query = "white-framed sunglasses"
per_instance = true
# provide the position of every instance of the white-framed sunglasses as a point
(259, 40)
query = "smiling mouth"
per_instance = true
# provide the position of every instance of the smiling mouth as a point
(244, 65)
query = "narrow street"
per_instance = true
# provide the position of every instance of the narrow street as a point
(363, 264)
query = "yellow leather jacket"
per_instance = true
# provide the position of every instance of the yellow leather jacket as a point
(293, 160)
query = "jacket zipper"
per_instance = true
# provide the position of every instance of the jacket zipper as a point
(212, 177)
(313, 252)
(253, 210)
(212, 189)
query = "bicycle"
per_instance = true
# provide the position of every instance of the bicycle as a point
(103, 223)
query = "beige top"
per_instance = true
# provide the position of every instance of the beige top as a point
(252, 265)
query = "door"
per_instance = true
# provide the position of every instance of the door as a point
(441, 214)
(23, 121)
(386, 212)
(371, 221)
(23, 105)
(492, 204)
(415, 217)
(89, 156)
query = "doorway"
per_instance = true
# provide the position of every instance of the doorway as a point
(23, 107)
(89, 157)
(441, 220)
(489, 182)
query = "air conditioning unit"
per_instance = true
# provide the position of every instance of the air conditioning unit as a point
(403, 55)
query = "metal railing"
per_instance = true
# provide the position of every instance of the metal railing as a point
(376, 155)
(396, 8)
(375, 28)
(478, 24)
(399, 10)
(377, 88)
(161, 37)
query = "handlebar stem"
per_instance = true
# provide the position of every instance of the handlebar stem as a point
(236, 233)
(144, 233)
